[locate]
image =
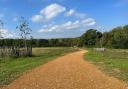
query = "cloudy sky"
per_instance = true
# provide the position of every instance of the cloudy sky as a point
(63, 18)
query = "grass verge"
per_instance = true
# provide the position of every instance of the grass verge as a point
(11, 68)
(112, 61)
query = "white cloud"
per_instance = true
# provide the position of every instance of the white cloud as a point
(37, 18)
(72, 12)
(70, 25)
(89, 21)
(48, 13)
(5, 33)
(52, 10)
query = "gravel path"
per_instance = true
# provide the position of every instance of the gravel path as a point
(66, 72)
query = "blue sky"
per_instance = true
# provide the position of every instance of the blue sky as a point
(63, 18)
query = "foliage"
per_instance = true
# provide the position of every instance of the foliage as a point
(91, 37)
(24, 33)
(12, 47)
(24, 28)
(117, 38)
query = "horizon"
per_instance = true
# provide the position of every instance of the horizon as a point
(62, 18)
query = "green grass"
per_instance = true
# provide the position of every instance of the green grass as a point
(112, 61)
(11, 68)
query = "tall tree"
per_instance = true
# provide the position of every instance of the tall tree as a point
(24, 29)
(91, 37)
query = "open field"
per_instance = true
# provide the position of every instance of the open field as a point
(11, 68)
(70, 71)
(112, 61)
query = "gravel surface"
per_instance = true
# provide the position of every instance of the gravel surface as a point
(67, 72)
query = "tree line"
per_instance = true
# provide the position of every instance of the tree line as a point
(116, 38)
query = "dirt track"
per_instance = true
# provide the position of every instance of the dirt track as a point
(67, 72)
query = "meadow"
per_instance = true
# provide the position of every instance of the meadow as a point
(11, 68)
(113, 61)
